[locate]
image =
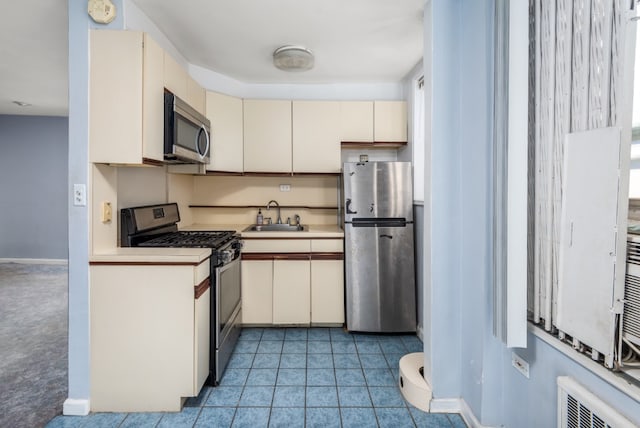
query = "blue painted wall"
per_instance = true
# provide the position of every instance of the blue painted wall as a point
(467, 361)
(33, 185)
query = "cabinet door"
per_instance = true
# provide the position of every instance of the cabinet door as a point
(257, 277)
(327, 291)
(225, 114)
(196, 95)
(267, 136)
(202, 339)
(291, 291)
(175, 77)
(316, 136)
(356, 121)
(390, 121)
(115, 100)
(153, 101)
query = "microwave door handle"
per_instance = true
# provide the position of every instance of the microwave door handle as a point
(206, 135)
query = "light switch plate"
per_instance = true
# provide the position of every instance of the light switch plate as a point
(285, 187)
(80, 195)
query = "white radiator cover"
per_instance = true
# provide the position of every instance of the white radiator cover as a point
(631, 314)
(580, 408)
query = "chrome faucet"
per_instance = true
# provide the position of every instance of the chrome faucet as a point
(279, 220)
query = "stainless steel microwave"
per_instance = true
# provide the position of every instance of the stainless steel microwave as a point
(186, 132)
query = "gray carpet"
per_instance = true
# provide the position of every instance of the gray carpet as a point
(33, 343)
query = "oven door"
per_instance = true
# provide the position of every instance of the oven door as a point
(228, 295)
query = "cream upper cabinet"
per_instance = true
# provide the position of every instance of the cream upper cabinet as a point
(225, 114)
(196, 96)
(267, 136)
(291, 291)
(126, 117)
(316, 136)
(356, 121)
(175, 77)
(390, 121)
(178, 81)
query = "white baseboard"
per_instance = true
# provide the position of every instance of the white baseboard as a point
(456, 405)
(445, 405)
(75, 407)
(36, 261)
(420, 333)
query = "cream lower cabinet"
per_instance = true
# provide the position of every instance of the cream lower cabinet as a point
(327, 291)
(327, 281)
(149, 336)
(291, 291)
(292, 282)
(257, 291)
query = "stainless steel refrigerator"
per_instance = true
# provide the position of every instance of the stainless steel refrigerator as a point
(379, 260)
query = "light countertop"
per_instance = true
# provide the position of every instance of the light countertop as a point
(314, 231)
(152, 255)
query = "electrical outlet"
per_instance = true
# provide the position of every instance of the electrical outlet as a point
(520, 364)
(107, 213)
(80, 195)
(285, 187)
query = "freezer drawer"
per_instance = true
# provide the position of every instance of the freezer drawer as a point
(380, 279)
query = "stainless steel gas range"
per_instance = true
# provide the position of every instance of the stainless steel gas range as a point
(156, 226)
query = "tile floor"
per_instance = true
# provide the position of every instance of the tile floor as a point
(297, 377)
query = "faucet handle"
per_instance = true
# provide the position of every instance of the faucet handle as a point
(297, 219)
(289, 221)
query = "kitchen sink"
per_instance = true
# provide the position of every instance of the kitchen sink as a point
(276, 228)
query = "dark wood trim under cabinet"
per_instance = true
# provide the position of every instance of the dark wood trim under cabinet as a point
(327, 256)
(225, 173)
(322, 174)
(300, 207)
(268, 174)
(98, 263)
(276, 256)
(372, 145)
(201, 288)
(152, 162)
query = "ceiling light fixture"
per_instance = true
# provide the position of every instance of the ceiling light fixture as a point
(293, 58)
(22, 103)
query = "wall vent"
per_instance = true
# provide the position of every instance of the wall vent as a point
(579, 408)
(631, 313)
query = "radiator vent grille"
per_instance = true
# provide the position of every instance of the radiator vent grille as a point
(631, 314)
(579, 408)
(633, 252)
(578, 416)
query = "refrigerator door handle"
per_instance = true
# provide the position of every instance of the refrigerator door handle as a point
(386, 236)
(348, 208)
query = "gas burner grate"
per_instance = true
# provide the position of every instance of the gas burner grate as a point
(204, 239)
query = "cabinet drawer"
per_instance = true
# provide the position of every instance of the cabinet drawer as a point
(327, 246)
(276, 246)
(202, 271)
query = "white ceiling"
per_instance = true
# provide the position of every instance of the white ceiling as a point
(34, 57)
(353, 41)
